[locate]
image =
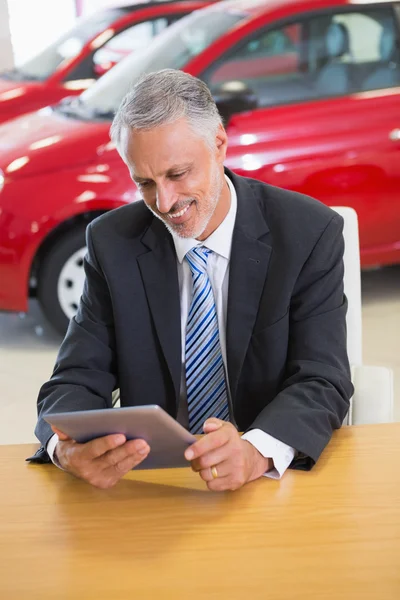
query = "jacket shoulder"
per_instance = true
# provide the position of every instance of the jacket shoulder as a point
(128, 221)
(294, 221)
(291, 207)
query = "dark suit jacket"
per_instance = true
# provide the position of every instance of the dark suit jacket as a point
(286, 334)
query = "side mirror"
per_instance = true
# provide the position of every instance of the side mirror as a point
(234, 97)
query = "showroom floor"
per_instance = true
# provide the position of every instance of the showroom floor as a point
(28, 348)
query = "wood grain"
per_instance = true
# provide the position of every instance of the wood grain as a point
(332, 533)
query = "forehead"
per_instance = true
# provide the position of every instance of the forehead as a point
(161, 147)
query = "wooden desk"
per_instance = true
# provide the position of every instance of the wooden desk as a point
(330, 534)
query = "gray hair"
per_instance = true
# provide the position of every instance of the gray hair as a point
(164, 97)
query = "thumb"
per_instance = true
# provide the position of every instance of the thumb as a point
(62, 436)
(212, 425)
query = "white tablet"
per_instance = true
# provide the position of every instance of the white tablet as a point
(167, 439)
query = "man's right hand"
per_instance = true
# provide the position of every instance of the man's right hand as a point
(101, 462)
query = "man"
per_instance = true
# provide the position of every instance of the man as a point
(217, 297)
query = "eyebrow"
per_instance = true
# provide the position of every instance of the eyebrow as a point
(171, 171)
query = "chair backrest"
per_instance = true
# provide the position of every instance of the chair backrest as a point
(352, 283)
(387, 73)
(334, 77)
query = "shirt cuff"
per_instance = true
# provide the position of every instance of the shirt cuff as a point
(269, 447)
(51, 447)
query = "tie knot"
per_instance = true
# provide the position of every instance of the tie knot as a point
(197, 258)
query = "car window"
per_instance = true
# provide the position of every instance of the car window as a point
(273, 54)
(70, 45)
(133, 38)
(365, 35)
(323, 56)
(173, 49)
(272, 43)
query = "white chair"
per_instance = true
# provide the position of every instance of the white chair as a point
(372, 401)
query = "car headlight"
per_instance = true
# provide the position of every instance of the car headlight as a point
(1, 180)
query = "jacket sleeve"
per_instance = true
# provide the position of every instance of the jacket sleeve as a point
(314, 396)
(85, 372)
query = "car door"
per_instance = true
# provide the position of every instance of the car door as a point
(328, 116)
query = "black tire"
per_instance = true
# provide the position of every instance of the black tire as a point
(49, 274)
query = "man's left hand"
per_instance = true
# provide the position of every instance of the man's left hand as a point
(223, 459)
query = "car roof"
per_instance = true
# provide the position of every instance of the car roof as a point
(257, 8)
(140, 4)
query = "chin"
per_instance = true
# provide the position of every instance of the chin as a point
(183, 233)
(188, 231)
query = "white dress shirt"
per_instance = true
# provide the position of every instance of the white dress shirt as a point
(220, 242)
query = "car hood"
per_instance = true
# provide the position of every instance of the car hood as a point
(46, 141)
(13, 91)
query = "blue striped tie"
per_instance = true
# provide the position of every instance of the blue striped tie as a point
(205, 374)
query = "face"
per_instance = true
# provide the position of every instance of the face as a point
(180, 177)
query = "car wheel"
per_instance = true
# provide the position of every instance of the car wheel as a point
(61, 279)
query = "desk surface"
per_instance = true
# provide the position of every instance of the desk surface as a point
(332, 533)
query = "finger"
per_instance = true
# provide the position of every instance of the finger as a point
(223, 470)
(124, 466)
(227, 480)
(61, 436)
(211, 459)
(209, 442)
(100, 446)
(130, 448)
(212, 425)
(222, 484)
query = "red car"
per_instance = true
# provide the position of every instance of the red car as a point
(81, 56)
(310, 93)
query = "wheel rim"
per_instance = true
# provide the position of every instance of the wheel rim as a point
(70, 283)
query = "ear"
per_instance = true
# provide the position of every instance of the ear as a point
(221, 140)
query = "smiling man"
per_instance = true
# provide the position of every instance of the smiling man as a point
(181, 185)
(218, 297)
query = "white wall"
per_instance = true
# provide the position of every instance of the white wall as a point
(34, 24)
(6, 51)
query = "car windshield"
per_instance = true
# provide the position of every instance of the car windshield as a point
(172, 49)
(70, 45)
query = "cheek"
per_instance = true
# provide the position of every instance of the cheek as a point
(199, 188)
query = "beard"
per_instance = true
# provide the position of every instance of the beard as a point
(204, 211)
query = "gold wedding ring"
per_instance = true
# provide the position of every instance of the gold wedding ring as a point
(214, 472)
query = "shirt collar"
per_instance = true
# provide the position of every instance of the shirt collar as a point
(220, 241)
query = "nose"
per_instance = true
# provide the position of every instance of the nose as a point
(165, 197)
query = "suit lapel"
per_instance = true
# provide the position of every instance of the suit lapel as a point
(249, 262)
(160, 279)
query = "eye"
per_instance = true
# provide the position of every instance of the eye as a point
(144, 184)
(178, 175)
